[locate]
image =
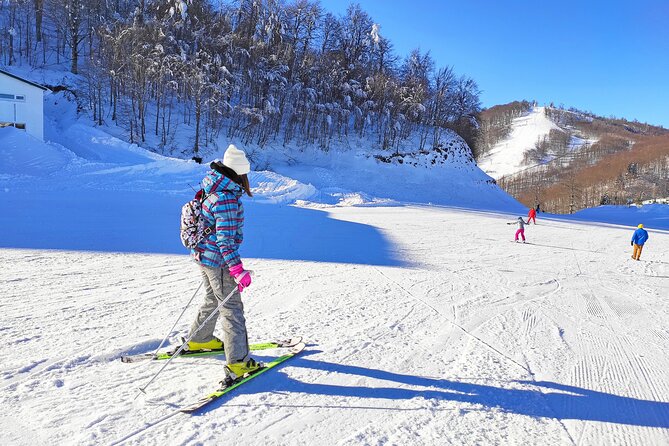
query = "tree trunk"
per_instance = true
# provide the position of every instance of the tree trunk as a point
(198, 113)
(74, 22)
(38, 19)
(75, 54)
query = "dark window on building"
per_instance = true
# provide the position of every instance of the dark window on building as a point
(18, 125)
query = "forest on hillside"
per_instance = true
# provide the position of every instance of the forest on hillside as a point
(258, 71)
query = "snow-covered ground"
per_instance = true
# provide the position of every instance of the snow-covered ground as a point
(425, 322)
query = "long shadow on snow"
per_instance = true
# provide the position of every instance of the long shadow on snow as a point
(148, 222)
(555, 401)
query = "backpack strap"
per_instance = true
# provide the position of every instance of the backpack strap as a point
(210, 228)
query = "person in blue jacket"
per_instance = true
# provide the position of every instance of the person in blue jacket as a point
(639, 237)
(221, 265)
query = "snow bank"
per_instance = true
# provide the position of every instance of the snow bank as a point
(23, 155)
(652, 216)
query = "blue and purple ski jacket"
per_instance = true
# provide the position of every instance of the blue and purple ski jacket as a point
(222, 207)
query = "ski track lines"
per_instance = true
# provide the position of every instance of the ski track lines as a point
(612, 361)
(379, 347)
(491, 302)
(375, 342)
(382, 342)
(596, 311)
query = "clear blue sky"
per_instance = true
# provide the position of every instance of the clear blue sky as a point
(609, 57)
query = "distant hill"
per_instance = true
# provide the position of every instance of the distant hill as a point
(567, 159)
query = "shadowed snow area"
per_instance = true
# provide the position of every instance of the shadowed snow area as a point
(129, 200)
(87, 190)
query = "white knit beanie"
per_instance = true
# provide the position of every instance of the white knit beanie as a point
(236, 160)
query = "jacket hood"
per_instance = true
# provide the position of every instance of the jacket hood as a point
(217, 182)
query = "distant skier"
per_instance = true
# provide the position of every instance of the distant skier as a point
(220, 264)
(521, 227)
(532, 215)
(639, 237)
(538, 207)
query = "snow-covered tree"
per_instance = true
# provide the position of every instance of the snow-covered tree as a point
(259, 70)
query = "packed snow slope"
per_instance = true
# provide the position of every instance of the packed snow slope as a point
(425, 323)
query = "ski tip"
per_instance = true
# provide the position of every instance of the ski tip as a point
(297, 348)
(296, 340)
(289, 342)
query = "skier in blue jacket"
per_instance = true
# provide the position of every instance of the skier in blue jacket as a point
(221, 266)
(639, 237)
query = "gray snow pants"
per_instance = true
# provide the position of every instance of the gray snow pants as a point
(217, 285)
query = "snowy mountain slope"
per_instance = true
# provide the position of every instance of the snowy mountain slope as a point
(568, 160)
(506, 157)
(425, 323)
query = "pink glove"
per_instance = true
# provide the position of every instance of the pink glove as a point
(242, 277)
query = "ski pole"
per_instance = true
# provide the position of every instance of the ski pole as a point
(176, 353)
(178, 319)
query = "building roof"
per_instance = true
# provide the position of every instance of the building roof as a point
(23, 80)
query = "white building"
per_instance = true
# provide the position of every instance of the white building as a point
(21, 104)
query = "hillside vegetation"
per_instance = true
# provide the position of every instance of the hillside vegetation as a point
(254, 71)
